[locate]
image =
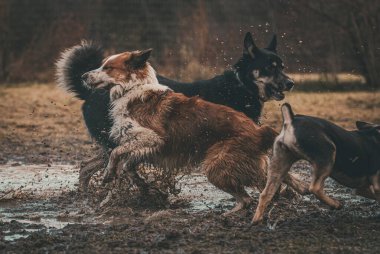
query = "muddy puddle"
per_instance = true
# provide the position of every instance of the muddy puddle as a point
(30, 196)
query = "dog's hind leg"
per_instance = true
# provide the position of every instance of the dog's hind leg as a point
(281, 162)
(322, 169)
(231, 171)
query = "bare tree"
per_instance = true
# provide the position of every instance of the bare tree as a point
(360, 21)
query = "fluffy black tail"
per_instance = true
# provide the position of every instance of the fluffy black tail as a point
(73, 63)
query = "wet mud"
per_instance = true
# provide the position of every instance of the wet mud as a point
(42, 211)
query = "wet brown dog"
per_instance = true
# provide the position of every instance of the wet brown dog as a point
(352, 158)
(152, 124)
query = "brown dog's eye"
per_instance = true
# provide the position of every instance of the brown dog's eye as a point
(107, 68)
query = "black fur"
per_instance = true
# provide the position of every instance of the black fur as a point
(235, 88)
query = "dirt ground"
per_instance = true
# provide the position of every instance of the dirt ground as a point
(41, 129)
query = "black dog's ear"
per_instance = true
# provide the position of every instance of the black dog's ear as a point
(140, 58)
(249, 46)
(273, 44)
(364, 125)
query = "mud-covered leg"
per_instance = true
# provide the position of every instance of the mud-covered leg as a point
(88, 171)
(113, 160)
(90, 167)
(222, 170)
(281, 162)
(144, 143)
(243, 200)
(229, 185)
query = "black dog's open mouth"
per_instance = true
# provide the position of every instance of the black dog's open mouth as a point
(278, 95)
(275, 94)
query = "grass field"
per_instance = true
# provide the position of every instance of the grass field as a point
(42, 123)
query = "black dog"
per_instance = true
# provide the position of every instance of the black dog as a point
(256, 78)
(352, 158)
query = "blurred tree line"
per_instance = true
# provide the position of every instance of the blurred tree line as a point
(192, 39)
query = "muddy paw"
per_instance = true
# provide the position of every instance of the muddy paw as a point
(336, 205)
(256, 222)
(339, 205)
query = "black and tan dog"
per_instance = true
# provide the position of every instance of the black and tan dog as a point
(352, 158)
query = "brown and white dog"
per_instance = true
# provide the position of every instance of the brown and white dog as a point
(152, 124)
(352, 158)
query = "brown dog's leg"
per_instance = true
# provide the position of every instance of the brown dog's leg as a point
(231, 166)
(281, 162)
(113, 160)
(229, 184)
(243, 200)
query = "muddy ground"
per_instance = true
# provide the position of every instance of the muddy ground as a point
(42, 140)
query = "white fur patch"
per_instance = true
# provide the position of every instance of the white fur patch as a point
(137, 88)
(137, 140)
(134, 138)
(287, 136)
(100, 76)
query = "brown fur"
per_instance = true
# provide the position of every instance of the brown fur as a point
(231, 149)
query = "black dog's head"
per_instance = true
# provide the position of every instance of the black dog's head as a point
(263, 68)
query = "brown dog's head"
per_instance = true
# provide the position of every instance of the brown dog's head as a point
(121, 69)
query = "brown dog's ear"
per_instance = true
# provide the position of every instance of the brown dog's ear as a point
(139, 58)
(364, 125)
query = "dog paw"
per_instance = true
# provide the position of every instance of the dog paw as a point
(336, 205)
(256, 221)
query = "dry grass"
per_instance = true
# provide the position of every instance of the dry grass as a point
(327, 77)
(41, 123)
(342, 108)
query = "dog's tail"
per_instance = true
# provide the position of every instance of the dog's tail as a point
(287, 113)
(73, 63)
